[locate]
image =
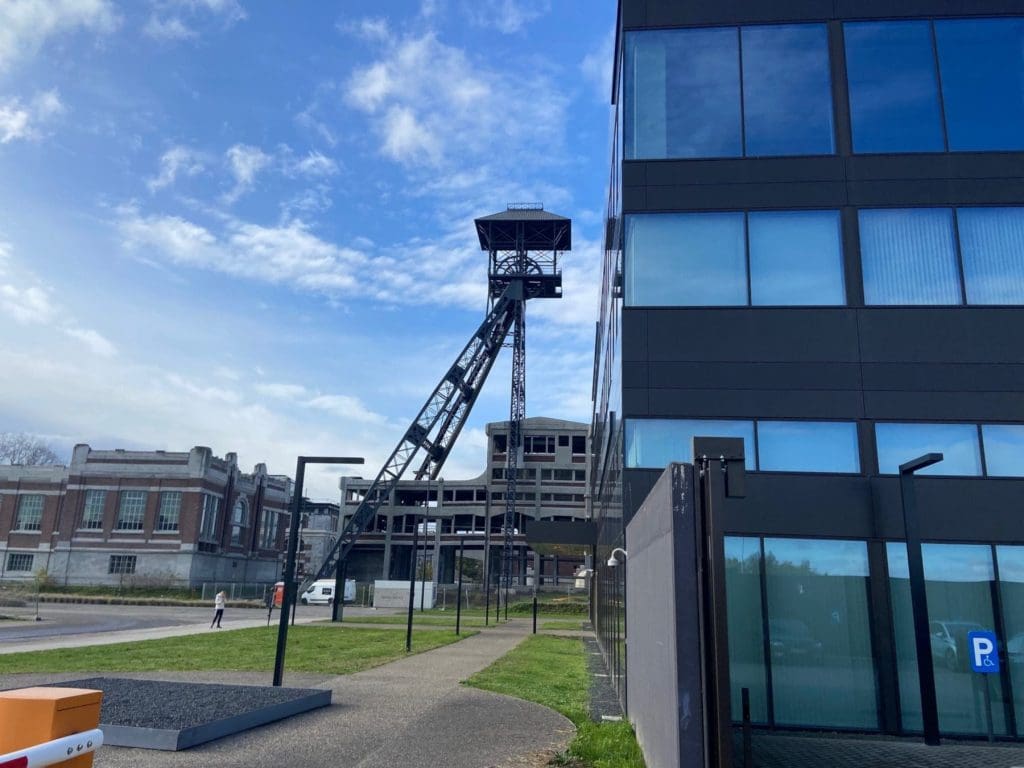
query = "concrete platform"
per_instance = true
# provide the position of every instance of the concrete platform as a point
(161, 714)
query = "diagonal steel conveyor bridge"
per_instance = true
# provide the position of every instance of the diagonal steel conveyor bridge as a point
(523, 245)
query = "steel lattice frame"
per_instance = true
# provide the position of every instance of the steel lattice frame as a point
(439, 421)
(514, 277)
(517, 412)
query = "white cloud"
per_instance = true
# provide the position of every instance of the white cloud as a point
(288, 253)
(176, 20)
(95, 342)
(347, 407)
(313, 164)
(368, 28)
(244, 162)
(281, 391)
(18, 121)
(430, 105)
(25, 25)
(170, 29)
(406, 138)
(506, 16)
(597, 67)
(26, 303)
(176, 160)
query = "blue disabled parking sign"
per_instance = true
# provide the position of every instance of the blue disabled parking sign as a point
(982, 648)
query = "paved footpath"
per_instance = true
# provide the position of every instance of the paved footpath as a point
(412, 712)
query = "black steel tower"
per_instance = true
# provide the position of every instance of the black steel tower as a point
(523, 244)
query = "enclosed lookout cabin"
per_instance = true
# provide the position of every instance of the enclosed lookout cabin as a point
(524, 242)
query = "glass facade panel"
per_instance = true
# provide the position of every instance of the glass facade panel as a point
(655, 443)
(894, 92)
(959, 583)
(1011, 592)
(1004, 449)
(807, 446)
(686, 259)
(746, 627)
(982, 70)
(787, 90)
(822, 668)
(899, 443)
(796, 257)
(992, 247)
(909, 256)
(682, 92)
(903, 634)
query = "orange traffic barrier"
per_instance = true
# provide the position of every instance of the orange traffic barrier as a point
(30, 716)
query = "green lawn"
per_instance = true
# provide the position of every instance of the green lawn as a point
(425, 619)
(553, 671)
(330, 650)
(562, 624)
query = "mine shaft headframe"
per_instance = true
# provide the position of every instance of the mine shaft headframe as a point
(523, 242)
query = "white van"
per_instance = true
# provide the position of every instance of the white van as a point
(322, 592)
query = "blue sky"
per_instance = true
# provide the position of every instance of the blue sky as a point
(248, 225)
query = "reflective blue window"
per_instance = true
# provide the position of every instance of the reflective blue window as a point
(685, 259)
(796, 258)
(819, 632)
(992, 246)
(1004, 449)
(909, 256)
(682, 91)
(894, 94)
(787, 92)
(982, 66)
(899, 443)
(807, 446)
(654, 443)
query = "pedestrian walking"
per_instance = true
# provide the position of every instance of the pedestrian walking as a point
(218, 604)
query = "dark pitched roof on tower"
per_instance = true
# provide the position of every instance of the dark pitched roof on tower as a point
(535, 228)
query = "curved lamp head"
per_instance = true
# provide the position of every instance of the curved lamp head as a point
(617, 557)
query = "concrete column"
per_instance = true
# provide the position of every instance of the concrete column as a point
(386, 567)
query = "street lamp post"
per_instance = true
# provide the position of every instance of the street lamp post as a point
(412, 581)
(293, 544)
(918, 595)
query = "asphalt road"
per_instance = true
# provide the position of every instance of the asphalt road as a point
(68, 619)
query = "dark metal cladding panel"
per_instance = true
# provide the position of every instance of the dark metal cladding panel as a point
(661, 173)
(634, 335)
(742, 375)
(942, 335)
(945, 406)
(749, 404)
(954, 509)
(943, 377)
(759, 335)
(668, 13)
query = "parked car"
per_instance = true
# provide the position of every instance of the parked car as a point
(321, 592)
(791, 640)
(949, 642)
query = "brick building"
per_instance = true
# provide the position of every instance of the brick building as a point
(142, 517)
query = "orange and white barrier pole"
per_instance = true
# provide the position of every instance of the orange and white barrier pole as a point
(55, 752)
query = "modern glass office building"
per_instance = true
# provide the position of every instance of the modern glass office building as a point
(815, 243)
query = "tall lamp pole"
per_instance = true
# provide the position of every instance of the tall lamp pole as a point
(293, 545)
(918, 595)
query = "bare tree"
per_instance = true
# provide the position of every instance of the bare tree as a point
(21, 448)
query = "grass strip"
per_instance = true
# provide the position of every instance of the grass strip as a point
(552, 671)
(330, 650)
(562, 624)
